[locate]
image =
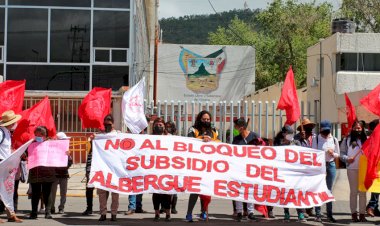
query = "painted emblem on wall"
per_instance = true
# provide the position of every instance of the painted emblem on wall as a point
(202, 72)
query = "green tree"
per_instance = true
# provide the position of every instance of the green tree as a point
(281, 36)
(366, 14)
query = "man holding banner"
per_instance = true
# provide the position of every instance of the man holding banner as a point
(8, 121)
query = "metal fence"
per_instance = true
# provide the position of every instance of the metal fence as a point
(263, 116)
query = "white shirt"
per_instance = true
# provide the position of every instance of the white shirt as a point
(325, 144)
(5, 146)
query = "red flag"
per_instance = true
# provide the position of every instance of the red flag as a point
(371, 149)
(95, 106)
(262, 209)
(37, 115)
(372, 101)
(12, 95)
(289, 100)
(350, 111)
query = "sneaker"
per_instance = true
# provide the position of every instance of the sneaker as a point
(156, 218)
(48, 216)
(42, 210)
(203, 216)
(318, 218)
(174, 211)
(33, 216)
(301, 218)
(251, 216)
(189, 218)
(167, 218)
(129, 212)
(61, 212)
(239, 217)
(287, 217)
(271, 214)
(102, 218)
(113, 218)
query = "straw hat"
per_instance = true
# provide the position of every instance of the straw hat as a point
(8, 118)
(306, 122)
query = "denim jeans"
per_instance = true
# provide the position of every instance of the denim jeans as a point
(132, 202)
(330, 177)
(374, 201)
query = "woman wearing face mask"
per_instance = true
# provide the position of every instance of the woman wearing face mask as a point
(326, 142)
(203, 130)
(350, 153)
(41, 179)
(103, 195)
(160, 199)
(283, 138)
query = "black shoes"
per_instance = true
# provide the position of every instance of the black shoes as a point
(102, 218)
(239, 217)
(113, 217)
(33, 216)
(156, 218)
(87, 212)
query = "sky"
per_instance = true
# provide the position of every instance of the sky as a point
(177, 8)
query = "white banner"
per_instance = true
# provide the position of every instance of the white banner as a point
(132, 107)
(8, 170)
(205, 72)
(287, 176)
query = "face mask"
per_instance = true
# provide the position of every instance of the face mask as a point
(158, 130)
(289, 137)
(107, 128)
(308, 130)
(39, 139)
(325, 132)
(206, 125)
(236, 132)
(170, 130)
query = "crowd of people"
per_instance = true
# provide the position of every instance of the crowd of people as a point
(44, 180)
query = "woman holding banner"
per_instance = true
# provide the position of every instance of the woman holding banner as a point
(350, 154)
(160, 199)
(283, 138)
(203, 130)
(41, 179)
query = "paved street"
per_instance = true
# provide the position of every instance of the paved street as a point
(220, 210)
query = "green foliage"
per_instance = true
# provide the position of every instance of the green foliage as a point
(366, 14)
(281, 36)
(194, 29)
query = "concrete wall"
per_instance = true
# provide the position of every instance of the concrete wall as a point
(334, 84)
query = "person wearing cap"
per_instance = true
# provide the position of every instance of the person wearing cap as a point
(245, 137)
(8, 122)
(305, 136)
(326, 142)
(350, 152)
(283, 138)
(62, 177)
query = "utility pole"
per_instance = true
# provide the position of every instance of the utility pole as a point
(320, 78)
(155, 66)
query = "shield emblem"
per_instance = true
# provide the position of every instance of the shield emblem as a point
(202, 73)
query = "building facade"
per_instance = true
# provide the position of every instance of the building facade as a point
(73, 46)
(343, 63)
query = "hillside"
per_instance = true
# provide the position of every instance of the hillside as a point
(194, 29)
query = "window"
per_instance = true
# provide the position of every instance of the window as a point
(48, 77)
(358, 62)
(112, 3)
(110, 76)
(27, 35)
(73, 3)
(111, 29)
(70, 36)
(2, 15)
